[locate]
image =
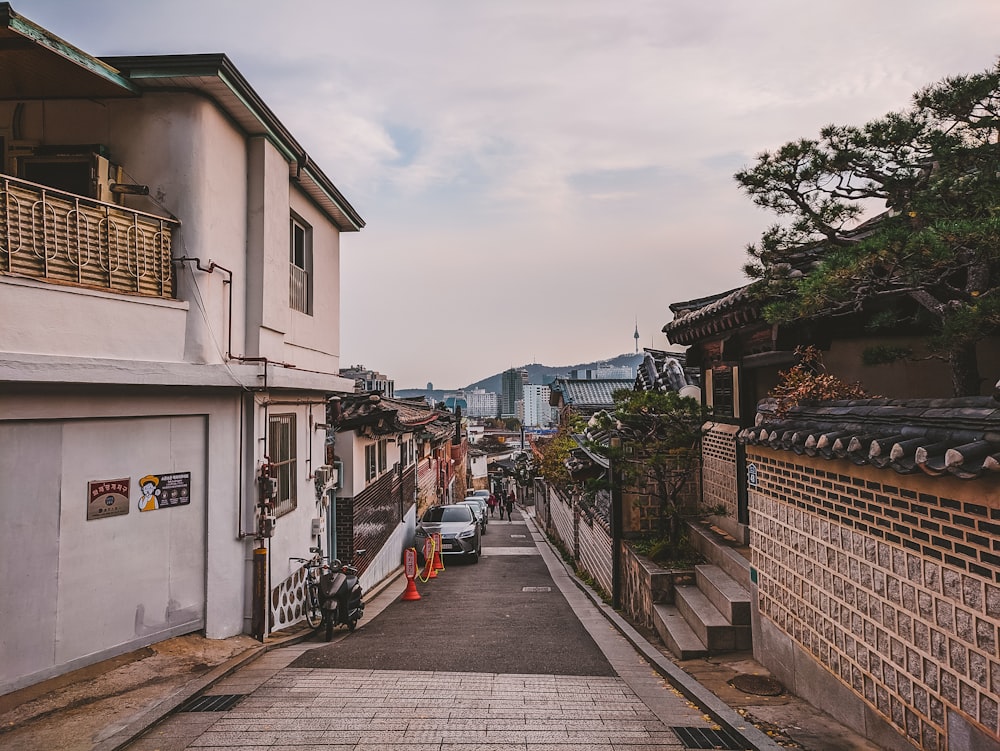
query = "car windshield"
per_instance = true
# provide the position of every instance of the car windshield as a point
(458, 513)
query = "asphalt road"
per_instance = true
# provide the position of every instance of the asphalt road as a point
(501, 615)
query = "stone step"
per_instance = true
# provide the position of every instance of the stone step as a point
(710, 625)
(676, 634)
(732, 600)
(721, 553)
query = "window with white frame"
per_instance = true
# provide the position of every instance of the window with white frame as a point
(281, 452)
(300, 289)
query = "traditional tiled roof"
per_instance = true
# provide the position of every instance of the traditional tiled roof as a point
(710, 316)
(379, 415)
(662, 371)
(696, 319)
(960, 437)
(589, 394)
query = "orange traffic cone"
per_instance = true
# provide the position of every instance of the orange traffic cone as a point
(438, 564)
(430, 550)
(410, 566)
(410, 593)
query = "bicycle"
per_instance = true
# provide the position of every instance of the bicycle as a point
(314, 570)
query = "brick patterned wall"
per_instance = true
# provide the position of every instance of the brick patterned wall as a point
(584, 536)
(563, 523)
(718, 476)
(595, 550)
(889, 581)
(427, 484)
(641, 508)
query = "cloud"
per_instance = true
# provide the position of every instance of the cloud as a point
(535, 174)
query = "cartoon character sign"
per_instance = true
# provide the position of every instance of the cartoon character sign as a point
(150, 498)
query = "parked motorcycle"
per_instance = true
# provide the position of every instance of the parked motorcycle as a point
(340, 596)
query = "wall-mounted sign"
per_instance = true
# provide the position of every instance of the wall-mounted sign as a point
(164, 491)
(752, 475)
(107, 498)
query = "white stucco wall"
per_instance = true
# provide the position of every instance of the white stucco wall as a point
(106, 386)
(84, 590)
(77, 322)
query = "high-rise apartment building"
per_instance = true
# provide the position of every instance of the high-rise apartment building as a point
(512, 390)
(482, 403)
(537, 412)
(605, 373)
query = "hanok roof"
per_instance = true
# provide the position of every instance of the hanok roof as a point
(662, 371)
(376, 415)
(589, 394)
(707, 316)
(960, 437)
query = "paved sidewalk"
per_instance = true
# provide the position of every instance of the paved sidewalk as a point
(108, 707)
(406, 710)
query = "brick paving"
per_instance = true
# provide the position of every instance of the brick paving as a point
(330, 708)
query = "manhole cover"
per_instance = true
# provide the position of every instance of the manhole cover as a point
(217, 703)
(760, 685)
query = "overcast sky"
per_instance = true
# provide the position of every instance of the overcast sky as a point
(537, 176)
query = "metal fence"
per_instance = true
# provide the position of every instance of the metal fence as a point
(64, 238)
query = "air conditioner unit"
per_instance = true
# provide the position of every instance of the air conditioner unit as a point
(84, 173)
(106, 176)
(329, 475)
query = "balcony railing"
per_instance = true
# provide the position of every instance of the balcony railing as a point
(64, 238)
(299, 289)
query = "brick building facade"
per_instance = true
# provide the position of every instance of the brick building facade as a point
(878, 587)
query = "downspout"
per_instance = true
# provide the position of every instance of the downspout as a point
(333, 419)
(228, 281)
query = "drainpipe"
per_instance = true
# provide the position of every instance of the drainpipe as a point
(333, 419)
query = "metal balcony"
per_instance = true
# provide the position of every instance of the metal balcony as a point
(64, 238)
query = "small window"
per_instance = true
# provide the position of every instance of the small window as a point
(281, 451)
(371, 468)
(300, 294)
(383, 451)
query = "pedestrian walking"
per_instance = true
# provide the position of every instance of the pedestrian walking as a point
(510, 505)
(492, 503)
(500, 507)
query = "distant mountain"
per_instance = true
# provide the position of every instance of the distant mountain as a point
(537, 374)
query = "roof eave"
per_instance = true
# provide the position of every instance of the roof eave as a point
(239, 100)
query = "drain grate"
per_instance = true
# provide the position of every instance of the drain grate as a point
(710, 738)
(217, 703)
(536, 589)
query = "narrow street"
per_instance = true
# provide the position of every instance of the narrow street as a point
(503, 654)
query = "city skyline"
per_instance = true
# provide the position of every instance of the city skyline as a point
(550, 176)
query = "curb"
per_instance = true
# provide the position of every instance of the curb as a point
(721, 712)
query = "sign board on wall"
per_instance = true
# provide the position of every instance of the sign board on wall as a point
(107, 498)
(164, 491)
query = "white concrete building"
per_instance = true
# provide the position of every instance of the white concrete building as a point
(166, 348)
(483, 403)
(537, 411)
